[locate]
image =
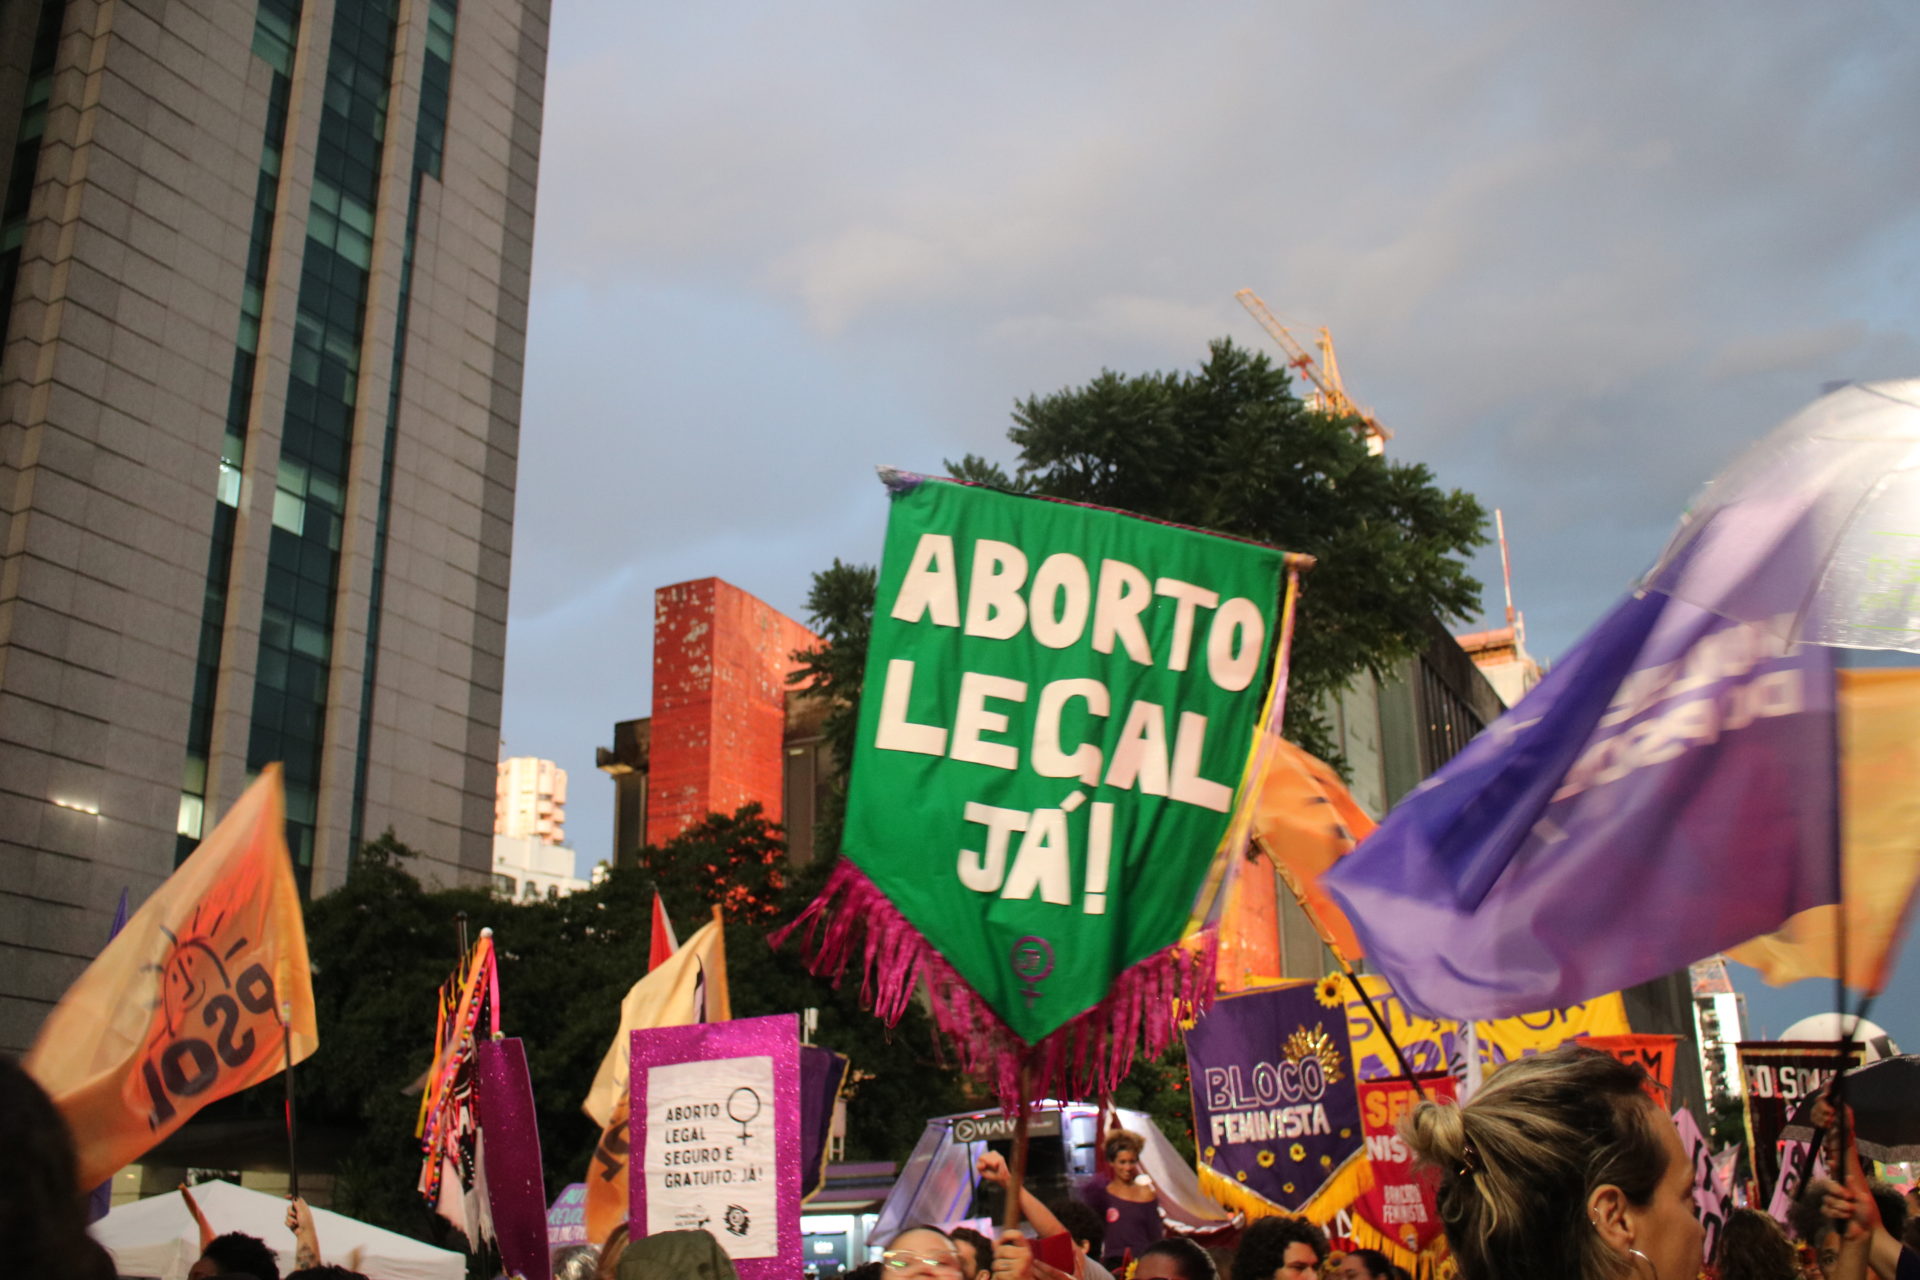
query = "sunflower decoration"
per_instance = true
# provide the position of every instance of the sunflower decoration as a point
(1287, 1187)
(1240, 1174)
(1304, 1044)
(1296, 1153)
(1326, 1162)
(1331, 991)
(1208, 1153)
(1265, 1158)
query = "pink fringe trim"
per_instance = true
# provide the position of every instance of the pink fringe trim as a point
(1088, 1057)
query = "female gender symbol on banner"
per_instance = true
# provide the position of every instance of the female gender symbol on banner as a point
(735, 1105)
(1032, 962)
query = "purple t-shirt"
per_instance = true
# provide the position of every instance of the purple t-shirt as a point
(1132, 1225)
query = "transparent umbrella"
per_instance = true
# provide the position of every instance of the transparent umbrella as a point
(1814, 532)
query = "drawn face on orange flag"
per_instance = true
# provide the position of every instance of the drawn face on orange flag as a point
(185, 1005)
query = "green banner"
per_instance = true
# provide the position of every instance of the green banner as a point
(1059, 704)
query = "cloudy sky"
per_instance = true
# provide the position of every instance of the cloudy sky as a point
(1573, 258)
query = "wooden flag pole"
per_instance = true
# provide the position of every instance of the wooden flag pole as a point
(1010, 1215)
(293, 1160)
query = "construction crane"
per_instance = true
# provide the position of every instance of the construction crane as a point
(1330, 393)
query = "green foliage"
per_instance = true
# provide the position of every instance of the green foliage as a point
(840, 610)
(1160, 1088)
(736, 863)
(382, 945)
(1229, 448)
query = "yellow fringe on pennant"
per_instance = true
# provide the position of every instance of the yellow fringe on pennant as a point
(1430, 1263)
(1342, 1187)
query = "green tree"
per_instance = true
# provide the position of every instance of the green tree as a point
(382, 945)
(840, 607)
(1228, 448)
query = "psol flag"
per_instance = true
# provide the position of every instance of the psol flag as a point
(185, 1005)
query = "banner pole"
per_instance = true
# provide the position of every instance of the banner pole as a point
(1353, 979)
(293, 1161)
(1010, 1214)
(1843, 1046)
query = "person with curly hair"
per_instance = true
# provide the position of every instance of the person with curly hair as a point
(1365, 1264)
(1128, 1203)
(1280, 1249)
(236, 1254)
(975, 1250)
(1752, 1247)
(1174, 1258)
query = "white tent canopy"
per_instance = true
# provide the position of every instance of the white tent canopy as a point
(158, 1237)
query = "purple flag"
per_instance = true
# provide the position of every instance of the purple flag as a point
(822, 1072)
(1665, 793)
(1275, 1114)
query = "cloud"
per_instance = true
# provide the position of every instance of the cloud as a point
(1575, 259)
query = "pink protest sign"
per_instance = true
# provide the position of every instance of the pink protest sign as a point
(715, 1137)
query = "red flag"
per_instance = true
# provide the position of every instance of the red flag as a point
(1397, 1215)
(664, 943)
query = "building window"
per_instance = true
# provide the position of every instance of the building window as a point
(1449, 723)
(303, 548)
(274, 26)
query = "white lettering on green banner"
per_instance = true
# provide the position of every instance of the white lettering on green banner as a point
(1059, 703)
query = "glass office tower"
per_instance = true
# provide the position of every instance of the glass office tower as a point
(265, 267)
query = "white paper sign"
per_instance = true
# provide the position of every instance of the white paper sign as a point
(710, 1147)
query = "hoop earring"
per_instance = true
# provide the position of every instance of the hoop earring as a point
(1649, 1261)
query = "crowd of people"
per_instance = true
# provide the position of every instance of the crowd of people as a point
(1562, 1165)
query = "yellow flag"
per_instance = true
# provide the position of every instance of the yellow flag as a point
(184, 1006)
(1880, 837)
(1424, 1039)
(688, 987)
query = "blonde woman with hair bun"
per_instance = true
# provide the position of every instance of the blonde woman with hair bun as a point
(1561, 1166)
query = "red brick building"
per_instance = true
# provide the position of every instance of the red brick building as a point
(726, 727)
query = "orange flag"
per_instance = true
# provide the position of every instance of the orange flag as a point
(1880, 841)
(185, 1006)
(607, 1184)
(1307, 820)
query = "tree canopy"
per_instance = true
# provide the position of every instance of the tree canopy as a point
(1230, 448)
(382, 944)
